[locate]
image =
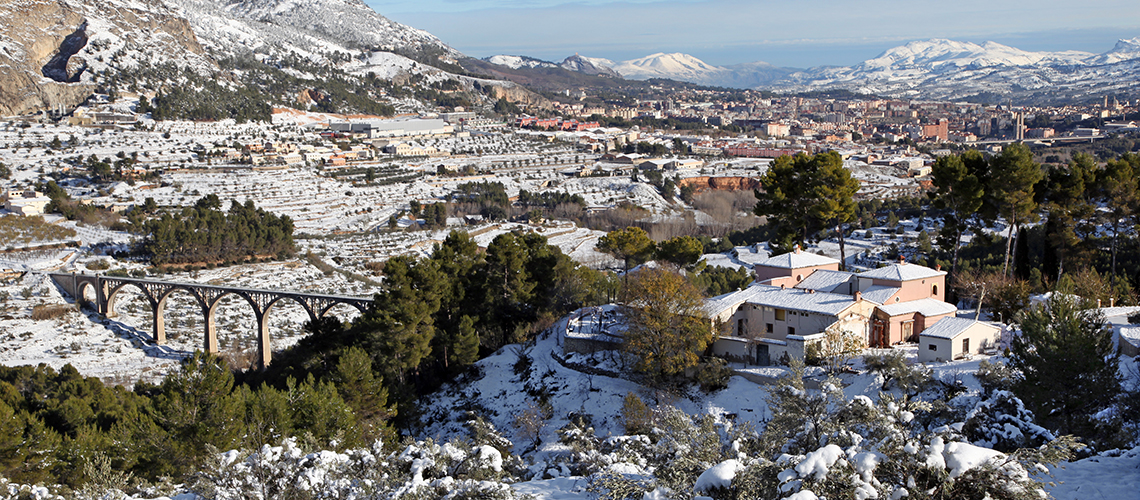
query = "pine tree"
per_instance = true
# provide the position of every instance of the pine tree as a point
(631, 245)
(1013, 175)
(363, 391)
(959, 191)
(1068, 366)
(197, 406)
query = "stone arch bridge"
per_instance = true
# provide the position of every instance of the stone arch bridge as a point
(107, 288)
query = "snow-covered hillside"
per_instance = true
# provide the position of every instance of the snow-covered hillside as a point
(930, 69)
(947, 69)
(676, 66)
(516, 62)
(349, 24)
(590, 65)
(1125, 50)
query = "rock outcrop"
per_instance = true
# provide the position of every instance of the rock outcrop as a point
(53, 51)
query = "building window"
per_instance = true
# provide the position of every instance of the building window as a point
(770, 328)
(779, 315)
(791, 330)
(934, 290)
(966, 345)
(932, 347)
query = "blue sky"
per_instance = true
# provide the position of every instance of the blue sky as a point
(796, 33)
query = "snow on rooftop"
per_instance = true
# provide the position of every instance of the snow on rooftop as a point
(926, 307)
(797, 260)
(730, 301)
(802, 300)
(902, 272)
(825, 280)
(880, 294)
(948, 328)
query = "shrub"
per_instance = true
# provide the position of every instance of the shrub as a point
(713, 374)
(51, 311)
(635, 415)
(994, 376)
(99, 265)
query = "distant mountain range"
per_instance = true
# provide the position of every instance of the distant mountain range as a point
(677, 66)
(930, 69)
(55, 53)
(946, 69)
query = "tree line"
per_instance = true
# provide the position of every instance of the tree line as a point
(54, 425)
(436, 316)
(203, 233)
(1063, 223)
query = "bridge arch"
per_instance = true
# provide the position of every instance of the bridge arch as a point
(304, 305)
(82, 288)
(345, 311)
(113, 293)
(210, 298)
(173, 293)
(233, 299)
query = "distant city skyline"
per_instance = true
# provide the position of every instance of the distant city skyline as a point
(725, 32)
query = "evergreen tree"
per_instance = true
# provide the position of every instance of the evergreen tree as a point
(197, 406)
(1013, 176)
(631, 245)
(959, 191)
(399, 328)
(1118, 188)
(1068, 366)
(1069, 208)
(835, 199)
(682, 251)
(363, 391)
(803, 194)
(456, 343)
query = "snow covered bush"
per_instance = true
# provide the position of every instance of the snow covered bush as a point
(1003, 423)
(820, 444)
(420, 470)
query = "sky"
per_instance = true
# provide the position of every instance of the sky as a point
(791, 33)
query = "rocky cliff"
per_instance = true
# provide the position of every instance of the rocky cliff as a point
(54, 52)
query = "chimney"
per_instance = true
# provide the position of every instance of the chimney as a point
(938, 267)
(902, 259)
(858, 296)
(783, 286)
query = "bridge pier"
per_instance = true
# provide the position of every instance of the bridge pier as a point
(211, 345)
(159, 323)
(264, 350)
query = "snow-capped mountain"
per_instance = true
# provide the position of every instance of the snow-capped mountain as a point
(950, 55)
(52, 51)
(590, 66)
(56, 52)
(303, 26)
(947, 69)
(675, 66)
(1125, 50)
(686, 68)
(516, 62)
